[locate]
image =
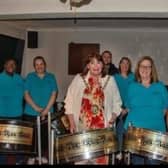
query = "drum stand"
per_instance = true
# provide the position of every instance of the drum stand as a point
(49, 137)
(39, 139)
(113, 158)
(127, 158)
(50, 140)
(113, 154)
(52, 147)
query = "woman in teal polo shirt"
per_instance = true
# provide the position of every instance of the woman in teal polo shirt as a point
(40, 95)
(123, 79)
(146, 102)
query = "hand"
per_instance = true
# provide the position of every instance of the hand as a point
(42, 118)
(38, 109)
(124, 112)
(72, 127)
(112, 119)
(44, 112)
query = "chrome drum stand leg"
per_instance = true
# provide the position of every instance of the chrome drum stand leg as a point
(113, 158)
(127, 158)
(39, 139)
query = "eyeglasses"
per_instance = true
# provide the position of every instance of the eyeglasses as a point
(145, 67)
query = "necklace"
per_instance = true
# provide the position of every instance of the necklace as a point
(105, 84)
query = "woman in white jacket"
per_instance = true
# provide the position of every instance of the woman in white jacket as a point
(93, 100)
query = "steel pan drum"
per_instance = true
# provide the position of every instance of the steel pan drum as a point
(146, 142)
(15, 136)
(85, 145)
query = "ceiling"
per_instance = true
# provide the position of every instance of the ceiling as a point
(52, 14)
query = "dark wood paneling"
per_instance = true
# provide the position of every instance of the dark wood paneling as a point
(77, 53)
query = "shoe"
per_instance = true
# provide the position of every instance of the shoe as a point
(119, 156)
(43, 160)
(31, 161)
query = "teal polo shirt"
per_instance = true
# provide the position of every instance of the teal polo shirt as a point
(40, 90)
(146, 106)
(123, 83)
(11, 95)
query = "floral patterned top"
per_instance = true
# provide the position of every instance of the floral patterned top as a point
(92, 108)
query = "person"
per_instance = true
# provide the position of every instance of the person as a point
(146, 103)
(123, 79)
(92, 100)
(11, 99)
(109, 66)
(40, 95)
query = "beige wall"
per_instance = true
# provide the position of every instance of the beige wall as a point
(53, 45)
(9, 30)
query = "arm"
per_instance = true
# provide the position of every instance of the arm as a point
(69, 103)
(114, 100)
(124, 111)
(30, 101)
(72, 123)
(50, 103)
(53, 95)
(68, 109)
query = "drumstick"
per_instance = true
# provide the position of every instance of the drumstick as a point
(52, 147)
(39, 139)
(49, 137)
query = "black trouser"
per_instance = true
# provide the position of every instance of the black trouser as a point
(44, 133)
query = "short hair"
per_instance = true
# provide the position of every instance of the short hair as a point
(154, 76)
(39, 57)
(10, 59)
(106, 51)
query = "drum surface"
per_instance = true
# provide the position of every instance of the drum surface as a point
(85, 145)
(146, 142)
(15, 136)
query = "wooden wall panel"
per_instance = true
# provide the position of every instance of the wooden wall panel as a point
(77, 53)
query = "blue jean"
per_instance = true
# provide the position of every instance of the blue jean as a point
(120, 131)
(140, 160)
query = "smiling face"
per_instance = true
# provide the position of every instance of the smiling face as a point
(107, 58)
(10, 66)
(95, 67)
(39, 66)
(124, 66)
(145, 69)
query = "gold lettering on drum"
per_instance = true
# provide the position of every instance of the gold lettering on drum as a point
(16, 134)
(87, 142)
(77, 145)
(147, 141)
